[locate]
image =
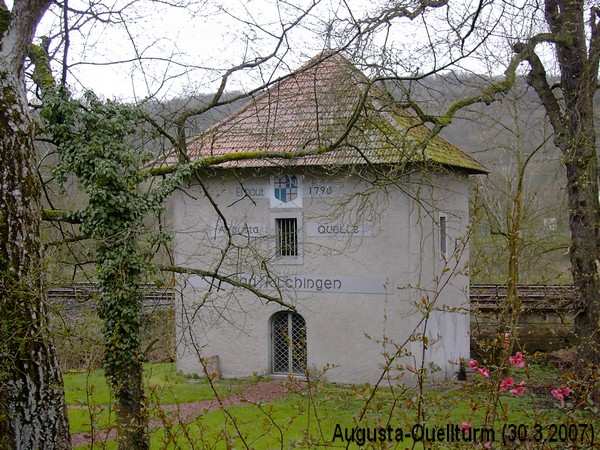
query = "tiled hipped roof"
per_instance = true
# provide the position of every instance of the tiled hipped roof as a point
(311, 110)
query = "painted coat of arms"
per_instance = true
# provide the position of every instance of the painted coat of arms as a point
(286, 188)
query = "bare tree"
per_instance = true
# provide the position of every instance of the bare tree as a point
(570, 108)
(513, 208)
(554, 38)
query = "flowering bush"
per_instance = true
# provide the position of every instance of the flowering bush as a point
(473, 364)
(517, 361)
(507, 384)
(560, 394)
(513, 401)
(506, 341)
(518, 390)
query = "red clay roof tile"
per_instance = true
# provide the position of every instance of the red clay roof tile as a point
(331, 110)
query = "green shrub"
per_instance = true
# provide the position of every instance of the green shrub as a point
(77, 332)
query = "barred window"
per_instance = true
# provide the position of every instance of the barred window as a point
(287, 236)
(288, 343)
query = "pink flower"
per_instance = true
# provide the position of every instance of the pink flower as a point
(517, 360)
(473, 364)
(465, 426)
(506, 340)
(506, 384)
(560, 394)
(483, 372)
(518, 390)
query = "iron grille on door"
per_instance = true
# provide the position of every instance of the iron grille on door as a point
(289, 343)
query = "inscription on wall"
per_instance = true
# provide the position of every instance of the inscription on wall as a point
(251, 190)
(288, 189)
(322, 189)
(252, 229)
(343, 229)
(302, 283)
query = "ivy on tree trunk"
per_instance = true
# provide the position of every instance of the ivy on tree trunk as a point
(92, 144)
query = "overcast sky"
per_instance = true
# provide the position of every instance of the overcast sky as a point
(169, 51)
(161, 50)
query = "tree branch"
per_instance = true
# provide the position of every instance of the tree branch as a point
(594, 52)
(486, 96)
(57, 215)
(227, 280)
(538, 79)
(17, 28)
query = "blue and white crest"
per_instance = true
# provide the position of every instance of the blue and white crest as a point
(285, 188)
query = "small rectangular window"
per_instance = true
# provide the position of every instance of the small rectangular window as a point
(287, 236)
(443, 235)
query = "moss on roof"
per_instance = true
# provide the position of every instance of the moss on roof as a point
(326, 113)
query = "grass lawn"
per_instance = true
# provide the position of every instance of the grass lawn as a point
(323, 415)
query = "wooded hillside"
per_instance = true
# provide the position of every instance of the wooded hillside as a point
(501, 135)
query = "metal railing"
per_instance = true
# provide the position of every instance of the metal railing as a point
(485, 297)
(534, 298)
(84, 294)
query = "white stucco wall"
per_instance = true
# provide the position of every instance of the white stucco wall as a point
(376, 280)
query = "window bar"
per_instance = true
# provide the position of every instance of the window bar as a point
(287, 230)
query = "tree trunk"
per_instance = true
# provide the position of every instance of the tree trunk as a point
(577, 140)
(120, 309)
(582, 188)
(571, 113)
(34, 414)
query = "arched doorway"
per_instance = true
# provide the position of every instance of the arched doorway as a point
(288, 343)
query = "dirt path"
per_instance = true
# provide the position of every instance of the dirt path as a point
(184, 412)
